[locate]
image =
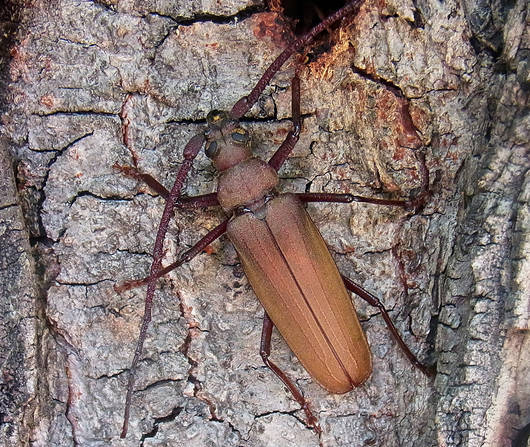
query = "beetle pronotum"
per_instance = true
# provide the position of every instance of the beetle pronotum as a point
(282, 253)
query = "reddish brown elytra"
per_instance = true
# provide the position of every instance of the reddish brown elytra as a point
(282, 253)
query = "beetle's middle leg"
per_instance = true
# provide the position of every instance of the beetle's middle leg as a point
(414, 204)
(374, 301)
(308, 197)
(265, 351)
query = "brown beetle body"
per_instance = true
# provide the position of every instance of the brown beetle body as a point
(294, 276)
(284, 256)
(288, 263)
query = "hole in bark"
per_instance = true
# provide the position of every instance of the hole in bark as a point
(306, 14)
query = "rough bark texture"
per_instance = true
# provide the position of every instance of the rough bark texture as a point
(94, 83)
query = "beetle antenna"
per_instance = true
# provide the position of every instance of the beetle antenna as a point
(245, 104)
(190, 153)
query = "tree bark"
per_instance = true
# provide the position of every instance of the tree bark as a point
(97, 83)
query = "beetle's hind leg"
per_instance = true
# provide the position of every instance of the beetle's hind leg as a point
(374, 301)
(265, 351)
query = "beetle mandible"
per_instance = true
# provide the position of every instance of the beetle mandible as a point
(282, 253)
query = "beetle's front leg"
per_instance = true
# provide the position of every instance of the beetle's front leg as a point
(265, 351)
(202, 201)
(292, 137)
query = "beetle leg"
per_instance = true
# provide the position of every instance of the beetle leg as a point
(210, 237)
(135, 173)
(265, 351)
(291, 139)
(245, 104)
(202, 201)
(308, 197)
(414, 204)
(374, 301)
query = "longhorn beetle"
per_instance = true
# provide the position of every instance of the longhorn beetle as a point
(282, 253)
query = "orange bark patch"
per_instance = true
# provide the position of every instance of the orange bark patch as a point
(47, 100)
(269, 25)
(393, 111)
(209, 250)
(399, 153)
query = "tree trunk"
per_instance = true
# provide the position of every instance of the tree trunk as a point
(92, 84)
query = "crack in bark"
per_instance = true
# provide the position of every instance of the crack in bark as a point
(173, 414)
(87, 112)
(241, 15)
(193, 331)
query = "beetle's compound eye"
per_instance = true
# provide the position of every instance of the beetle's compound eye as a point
(212, 149)
(216, 118)
(240, 135)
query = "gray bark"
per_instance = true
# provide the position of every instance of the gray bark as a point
(95, 83)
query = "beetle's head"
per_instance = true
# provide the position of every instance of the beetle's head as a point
(227, 143)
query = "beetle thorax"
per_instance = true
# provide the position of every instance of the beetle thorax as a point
(244, 180)
(245, 183)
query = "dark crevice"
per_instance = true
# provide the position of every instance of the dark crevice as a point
(76, 113)
(256, 120)
(244, 120)
(186, 121)
(419, 20)
(8, 205)
(156, 384)
(273, 412)
(59, 152)
(41, 237)
(304, 15)
(479, 47)
(44, 241)
(109, 376)
(157, 421)
(212, 18)
(378, 80)
(80, 194)
(82, 284)
(133, 252)
(291, 413)
(433, 332)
